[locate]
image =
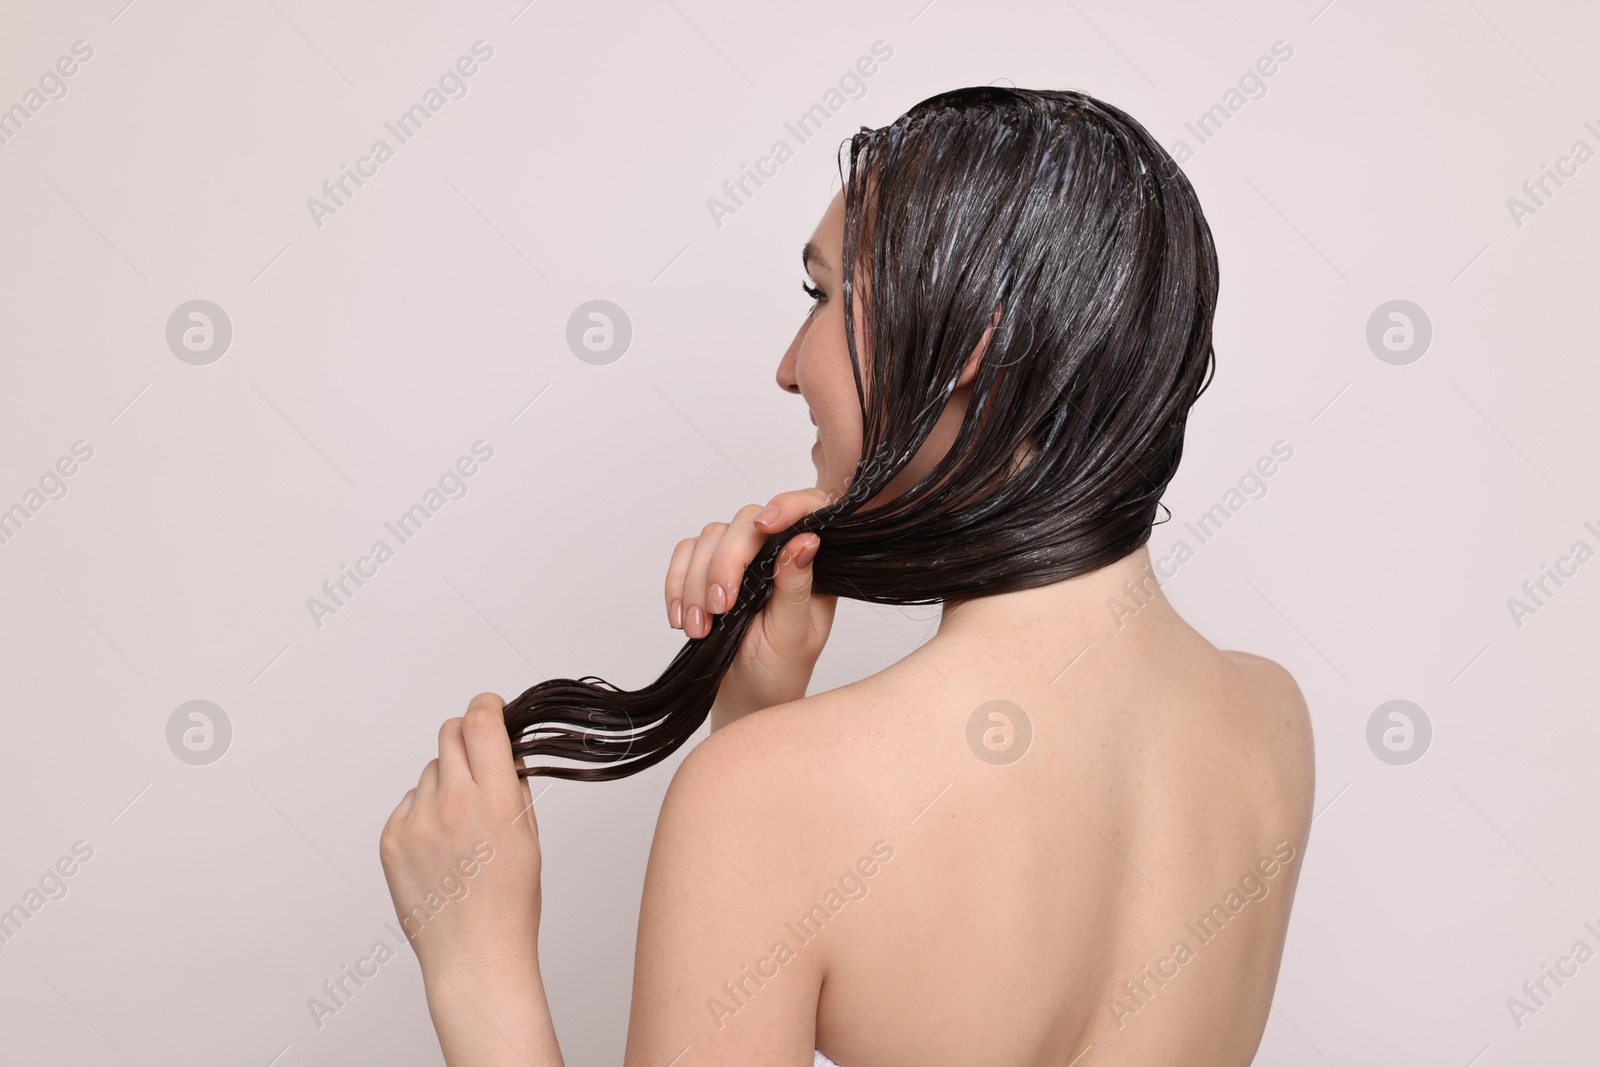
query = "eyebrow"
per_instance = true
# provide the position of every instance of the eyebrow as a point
(811, 252)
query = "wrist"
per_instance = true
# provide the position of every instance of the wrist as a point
(729, 708)
(520, 972)
(507, 949)
(499, 964)
(492, 1013)
(488, 987)
(734, 703)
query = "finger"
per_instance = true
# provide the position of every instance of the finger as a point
(677, 571)
(696, 623)
(746, 536)
(786, 509)
(402, 809)
(428, 783)
(488, 746)
(790, 612)
(739, 544)
(453, 768)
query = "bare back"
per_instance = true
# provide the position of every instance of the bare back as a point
(1120, 892)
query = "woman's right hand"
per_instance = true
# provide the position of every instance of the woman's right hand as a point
(781, 645)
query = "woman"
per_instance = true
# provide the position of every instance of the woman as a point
(1066, 829)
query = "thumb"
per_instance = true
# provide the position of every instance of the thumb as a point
(789, 608)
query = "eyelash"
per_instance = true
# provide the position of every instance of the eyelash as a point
(813, 292)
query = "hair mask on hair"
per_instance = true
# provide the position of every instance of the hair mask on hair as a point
(1064, 214)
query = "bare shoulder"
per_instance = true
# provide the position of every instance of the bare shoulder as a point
(1280, 708)
(741, 847)
(1272, 683)
(758, 778)
(759, 746)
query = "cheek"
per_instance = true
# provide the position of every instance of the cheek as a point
(825, 375)
(833, 403)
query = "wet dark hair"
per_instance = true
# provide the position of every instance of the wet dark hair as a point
(1064, 214)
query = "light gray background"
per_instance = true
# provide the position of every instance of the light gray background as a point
(430, 312)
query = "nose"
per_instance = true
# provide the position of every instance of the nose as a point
(788, 378)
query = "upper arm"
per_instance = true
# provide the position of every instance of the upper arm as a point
(717, 970)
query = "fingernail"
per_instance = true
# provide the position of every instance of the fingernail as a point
(719, 599)
(675, 613)
(808, 553)
(693, 626)
(768, 515)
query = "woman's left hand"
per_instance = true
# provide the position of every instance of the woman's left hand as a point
(461, 852)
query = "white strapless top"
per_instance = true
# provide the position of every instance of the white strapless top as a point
(822, 1061)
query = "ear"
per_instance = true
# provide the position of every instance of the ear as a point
(969, 373)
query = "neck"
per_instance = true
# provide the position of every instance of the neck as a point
(1100, 602)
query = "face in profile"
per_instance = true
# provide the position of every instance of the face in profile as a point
(817, 368)
(817, 363)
